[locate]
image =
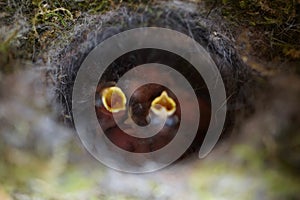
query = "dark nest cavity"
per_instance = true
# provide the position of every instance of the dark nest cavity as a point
(210, 33)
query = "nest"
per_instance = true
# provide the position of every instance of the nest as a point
(92, 30)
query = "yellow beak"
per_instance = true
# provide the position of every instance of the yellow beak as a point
(113, 99)
(163, 104)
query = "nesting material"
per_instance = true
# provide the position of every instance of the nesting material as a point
(207, 32)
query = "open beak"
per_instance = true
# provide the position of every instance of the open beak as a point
(113, 99)
(163, 105)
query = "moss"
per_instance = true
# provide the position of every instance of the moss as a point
(22, 173)
(243, 173)
(260, 12)
(28, 170)
(52, 19)
(275, 22)
(7, 54)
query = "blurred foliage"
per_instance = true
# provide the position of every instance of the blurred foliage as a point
(244, 174)
(22, 175)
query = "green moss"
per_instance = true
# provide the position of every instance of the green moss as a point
(16, 173)
(49, 178)
(276, 22)
(51, 19)
(260, 12)
(243, 173)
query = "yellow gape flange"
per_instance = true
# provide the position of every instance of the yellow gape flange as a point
(163, 103)
(113, 99)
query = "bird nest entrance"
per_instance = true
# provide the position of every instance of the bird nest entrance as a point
(111, 99)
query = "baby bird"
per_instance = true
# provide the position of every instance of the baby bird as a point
(150, 105)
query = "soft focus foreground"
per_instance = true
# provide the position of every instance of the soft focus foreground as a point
(42, 158)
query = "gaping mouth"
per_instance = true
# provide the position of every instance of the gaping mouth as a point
(113, 99)
(163, 104)
(144, 104)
